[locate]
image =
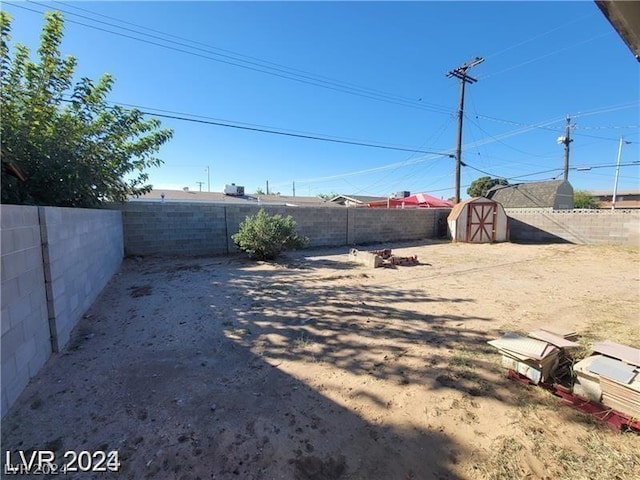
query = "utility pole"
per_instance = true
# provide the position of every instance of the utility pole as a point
(615, 183)
(294, 189)
(566, 140)
(267, 187)
(461, 74)
(208, 179)
(200, 185)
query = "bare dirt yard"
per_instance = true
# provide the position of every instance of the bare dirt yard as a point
(317, 368)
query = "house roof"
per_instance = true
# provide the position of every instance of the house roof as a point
(625, 19)
(609, 193)
(219, 197)
(356, 198)
(526, 195)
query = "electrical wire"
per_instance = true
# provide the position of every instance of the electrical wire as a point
(236, 54)
(244, 126)
(254, 66)
(527, 62)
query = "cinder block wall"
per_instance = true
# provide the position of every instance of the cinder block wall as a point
(25, 326)
(586, 227)
(55, 262)
(154, 228)
(83, 249)
(366, 225)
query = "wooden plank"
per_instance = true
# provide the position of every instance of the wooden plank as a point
(613, 369)
(616, 350)
(523, 345)
(560, 331)
(553, 339)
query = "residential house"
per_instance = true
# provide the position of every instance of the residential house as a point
(355, 200)
(624, 198)
(160, 195)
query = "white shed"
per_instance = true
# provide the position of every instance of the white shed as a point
(478, 220)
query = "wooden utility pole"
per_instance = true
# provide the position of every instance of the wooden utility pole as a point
(461, 74)
(200, 185)
(566, 140)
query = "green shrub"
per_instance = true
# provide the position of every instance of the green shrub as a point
(265, 236)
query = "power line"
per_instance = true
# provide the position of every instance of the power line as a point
(519, 44)
(580, 168)
(207, 121)
(309, 79)
(488, 75)
(236, 54)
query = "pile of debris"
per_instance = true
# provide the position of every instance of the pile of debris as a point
(381, 258)
(611, 376)
(537, 356)
(605, 384)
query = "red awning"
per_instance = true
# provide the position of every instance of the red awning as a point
(419, 200)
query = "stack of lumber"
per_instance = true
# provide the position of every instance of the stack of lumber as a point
(611, 376)
(533, 358)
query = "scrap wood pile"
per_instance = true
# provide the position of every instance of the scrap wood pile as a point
(381, 258)
(606, 382)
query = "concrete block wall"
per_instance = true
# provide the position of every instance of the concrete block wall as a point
(585, 227)
(26, 344)
(322, 226)
(154, 228)
(367, 225)
(82, 250)
(55, 262)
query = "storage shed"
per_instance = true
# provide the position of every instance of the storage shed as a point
(478, 220)
(556, 194)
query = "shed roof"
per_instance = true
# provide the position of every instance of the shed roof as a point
(459, 207)
(526, 195)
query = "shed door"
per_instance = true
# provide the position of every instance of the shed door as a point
(481, 219)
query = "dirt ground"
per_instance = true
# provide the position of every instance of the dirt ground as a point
(318, 368)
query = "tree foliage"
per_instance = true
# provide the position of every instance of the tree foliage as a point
(75, 149)
(480, 186)
(265, 236)
(327, 196)
(583, 199)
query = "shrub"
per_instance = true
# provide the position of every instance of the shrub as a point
(265, 236)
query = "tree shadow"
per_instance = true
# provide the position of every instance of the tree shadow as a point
(188, 394)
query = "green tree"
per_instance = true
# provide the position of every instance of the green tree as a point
(74, 149)
(328, 196)
(584, 199)
(265, 236)
(480, 186)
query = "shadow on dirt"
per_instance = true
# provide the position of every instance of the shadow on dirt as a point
(191, 381)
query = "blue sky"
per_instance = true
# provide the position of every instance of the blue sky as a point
(369, 72)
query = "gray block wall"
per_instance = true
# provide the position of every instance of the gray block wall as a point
(585, 227)
(55, 262)
(82, 249)
(367, 225)
(25, 327)
(154, 228)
